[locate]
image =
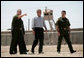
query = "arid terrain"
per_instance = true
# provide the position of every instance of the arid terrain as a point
(49, 51)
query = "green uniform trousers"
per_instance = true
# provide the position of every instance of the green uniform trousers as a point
(66, 36)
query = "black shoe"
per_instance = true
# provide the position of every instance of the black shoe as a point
(27, 50)
(32, 52)
(58, 51)
(41, 52)
(13, 52)
(23, 53)
(73, 51)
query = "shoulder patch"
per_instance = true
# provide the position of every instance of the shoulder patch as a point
(59, 18)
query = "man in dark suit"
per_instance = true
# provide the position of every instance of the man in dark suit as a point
(18, 34)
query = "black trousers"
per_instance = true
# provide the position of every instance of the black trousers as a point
(17, 39)
(66, 36)
(39, 36)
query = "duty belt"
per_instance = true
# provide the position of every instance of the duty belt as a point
(64, 28)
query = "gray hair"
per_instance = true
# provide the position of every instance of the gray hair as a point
(19, 10)
(38, 10)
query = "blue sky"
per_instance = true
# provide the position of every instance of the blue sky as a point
(74, 11)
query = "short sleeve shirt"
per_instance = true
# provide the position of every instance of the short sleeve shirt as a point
(63, 22)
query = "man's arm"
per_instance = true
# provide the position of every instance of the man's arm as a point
(20, 16)
(23, 30)
(33, 25)
(69, 29)
(45, 28)
(57, 27)
(44, 25)
(57, 30)
(69, 25)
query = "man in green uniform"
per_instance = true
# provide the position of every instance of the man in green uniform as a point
(63, 29)
(18, 34)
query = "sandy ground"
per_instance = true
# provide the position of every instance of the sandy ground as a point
(49, 51)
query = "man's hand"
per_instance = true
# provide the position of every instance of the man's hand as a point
(33, 31)
(58, 33)
(69, 33)
(25, 14)
(20, 16)
(24, 35)
(45, 30)
(69, 30)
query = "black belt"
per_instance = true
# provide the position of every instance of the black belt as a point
(39, 27)
(18, 28)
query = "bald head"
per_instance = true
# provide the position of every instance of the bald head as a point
(39, 12)
(19, 11)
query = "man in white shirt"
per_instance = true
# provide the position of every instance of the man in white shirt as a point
(37, 28)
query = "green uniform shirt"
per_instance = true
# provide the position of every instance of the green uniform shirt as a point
(17, 23)
(62, 23)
